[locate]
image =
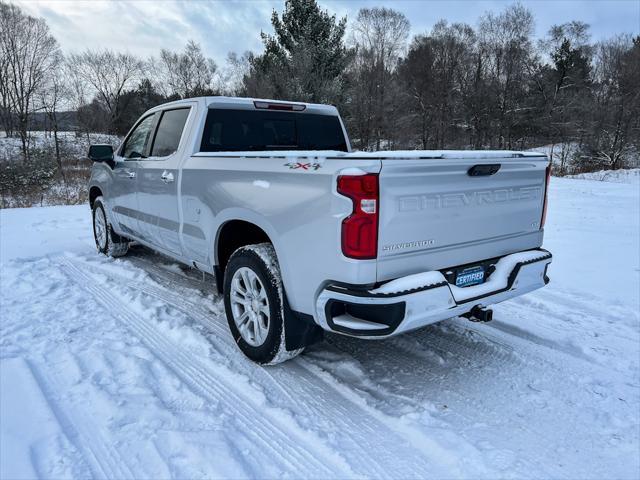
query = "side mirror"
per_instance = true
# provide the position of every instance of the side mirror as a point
(101, 153)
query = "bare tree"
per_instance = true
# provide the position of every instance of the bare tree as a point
(107, 75)
(561, 82)
(52, 95)
(380, 37)
(231, 76)
(616, 116)
(6, 100)
(505, 40)
(185, 74)
(577, 33)
(435, 74)
(29, 55)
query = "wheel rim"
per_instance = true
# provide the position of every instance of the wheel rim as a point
(100, 228)
(250, 306)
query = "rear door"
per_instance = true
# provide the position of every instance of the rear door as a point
(158, 181)
(457, 209)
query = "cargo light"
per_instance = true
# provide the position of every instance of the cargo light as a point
(360, 229)
(546, 196)
(291, 107)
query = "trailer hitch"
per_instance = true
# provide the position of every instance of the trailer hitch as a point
(479, 314)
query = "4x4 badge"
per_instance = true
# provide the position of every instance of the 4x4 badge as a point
(303, 166)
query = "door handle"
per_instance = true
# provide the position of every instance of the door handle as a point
(131, 175)
(167, 177)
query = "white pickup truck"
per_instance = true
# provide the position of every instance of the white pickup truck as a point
(303, 235)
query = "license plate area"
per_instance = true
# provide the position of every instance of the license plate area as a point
(470, 276)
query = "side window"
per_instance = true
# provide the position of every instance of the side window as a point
(136, 143)
(169, 132)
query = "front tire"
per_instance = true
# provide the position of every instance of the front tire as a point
(107, 241)
(254, 304)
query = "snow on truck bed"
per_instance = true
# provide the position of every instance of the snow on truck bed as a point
(397, 154)
(125, 368)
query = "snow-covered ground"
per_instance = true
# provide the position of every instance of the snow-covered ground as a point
(125, 368)
(564, 156)
(629, 175)
(20, 188)
(72, 143)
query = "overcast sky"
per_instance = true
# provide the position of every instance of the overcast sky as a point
(144, 27)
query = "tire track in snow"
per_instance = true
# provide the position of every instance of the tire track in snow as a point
(579, 329)
(476, 345)
(470, 386)
(463, 407)
(144, 263)
(571, 301)
(102, 459)
(376, 438)
(284, 445)
(485, 343)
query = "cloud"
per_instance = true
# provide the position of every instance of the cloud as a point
(144, 27)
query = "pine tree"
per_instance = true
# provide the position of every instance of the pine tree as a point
(305, 58)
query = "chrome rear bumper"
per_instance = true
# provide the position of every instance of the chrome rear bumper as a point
(418, 300)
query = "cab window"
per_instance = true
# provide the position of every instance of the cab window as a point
(136, 143)
(169, 132)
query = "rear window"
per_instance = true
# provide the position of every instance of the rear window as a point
(169, 132)
(249, 130)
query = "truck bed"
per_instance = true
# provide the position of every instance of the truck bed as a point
(433, 214)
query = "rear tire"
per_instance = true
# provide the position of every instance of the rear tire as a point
(254, 304)
(107, 241)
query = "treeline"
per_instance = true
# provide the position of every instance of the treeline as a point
(488, 85)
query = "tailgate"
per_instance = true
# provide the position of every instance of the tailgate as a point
(435, 214)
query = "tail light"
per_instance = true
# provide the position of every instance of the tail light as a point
(360, 229)
(546, 196)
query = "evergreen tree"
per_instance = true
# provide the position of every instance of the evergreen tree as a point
(305, 58)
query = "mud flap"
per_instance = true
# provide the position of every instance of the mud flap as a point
(299, 329)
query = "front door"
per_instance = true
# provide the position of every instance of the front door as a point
(125, 182)
(158, 182)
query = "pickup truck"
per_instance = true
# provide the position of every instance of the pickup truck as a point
(304, 235)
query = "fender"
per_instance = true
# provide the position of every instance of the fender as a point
(258, 220)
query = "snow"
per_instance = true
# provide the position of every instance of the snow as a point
(126, 369)
(261, 183)
(72, 143)
(462, 154)
(25, 438)
(35, 232)
(497, 281)
(353, 171)
(631, 175)
(395, 154)
(410, 282)
(558, 152)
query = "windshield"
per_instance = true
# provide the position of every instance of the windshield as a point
(249, 130)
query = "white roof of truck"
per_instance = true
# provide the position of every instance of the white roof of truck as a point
(248, 104)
